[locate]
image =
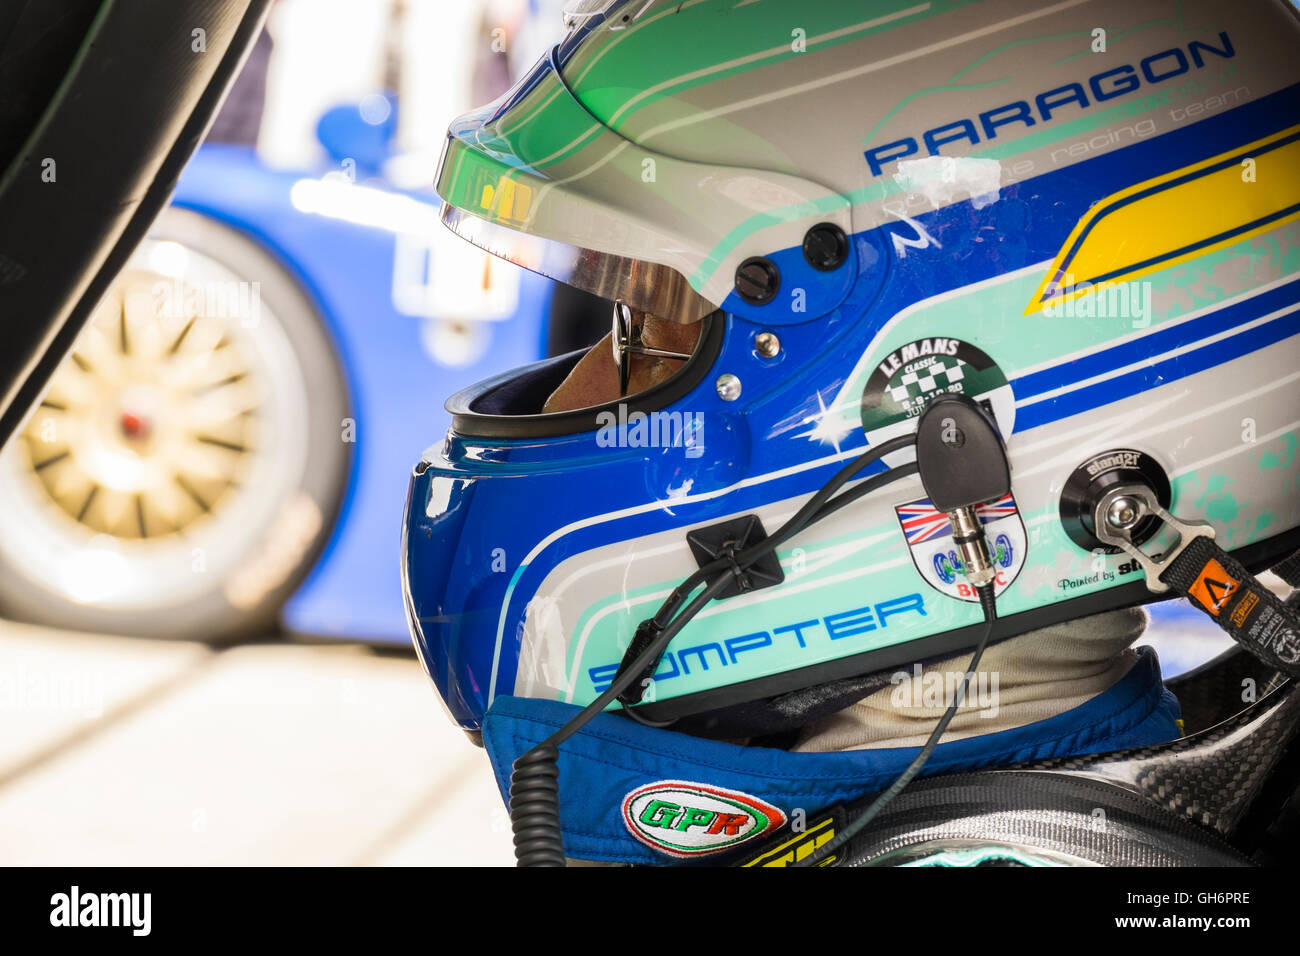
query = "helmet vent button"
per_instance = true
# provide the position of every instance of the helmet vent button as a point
(825, 247)
(757, 280)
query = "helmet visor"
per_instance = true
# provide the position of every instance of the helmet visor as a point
(644, 286)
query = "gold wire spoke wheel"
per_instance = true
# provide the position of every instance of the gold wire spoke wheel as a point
(185, 466)
(151, 421)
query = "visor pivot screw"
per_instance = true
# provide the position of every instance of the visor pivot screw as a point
(767, 344)
(825, 247)
(728, 387)
(1124, 512)
(757, 280)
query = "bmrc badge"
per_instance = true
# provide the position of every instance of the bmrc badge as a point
(929, 540)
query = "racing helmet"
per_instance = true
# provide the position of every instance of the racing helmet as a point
(1082, 215)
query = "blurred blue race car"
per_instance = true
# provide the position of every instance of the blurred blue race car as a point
(231, 440)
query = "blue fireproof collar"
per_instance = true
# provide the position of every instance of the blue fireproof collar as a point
(610, 758)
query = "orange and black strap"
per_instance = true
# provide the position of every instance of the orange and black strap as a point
(1252, 614)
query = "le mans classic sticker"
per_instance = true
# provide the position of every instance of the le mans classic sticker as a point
(929, 541)
(912, 374)
(686, 819)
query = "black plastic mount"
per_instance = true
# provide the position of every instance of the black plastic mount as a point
(724, 540)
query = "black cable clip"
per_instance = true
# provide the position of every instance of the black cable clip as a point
(728, 553)
(723, 541)
(645, 635)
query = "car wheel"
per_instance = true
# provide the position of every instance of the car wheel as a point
(187, 462)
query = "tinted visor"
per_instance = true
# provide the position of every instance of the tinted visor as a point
(643, 286)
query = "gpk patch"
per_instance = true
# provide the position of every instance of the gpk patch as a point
(685, 819)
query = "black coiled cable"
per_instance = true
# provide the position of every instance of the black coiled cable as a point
(535, 807)
(535, 778)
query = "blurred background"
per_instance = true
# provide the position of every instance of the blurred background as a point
(204, 656)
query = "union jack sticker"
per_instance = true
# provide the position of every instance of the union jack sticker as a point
(929, 540)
